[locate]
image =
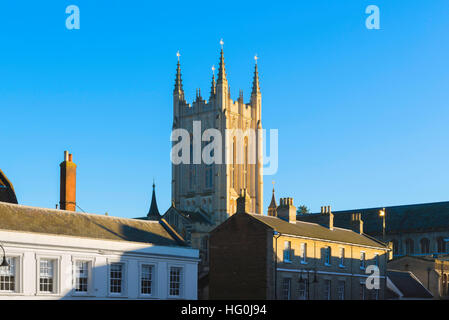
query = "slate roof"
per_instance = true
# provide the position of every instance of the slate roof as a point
(7, 193)
(408, 285)
(312, 230)
(406, 218)
(16, 217)
(197, 216)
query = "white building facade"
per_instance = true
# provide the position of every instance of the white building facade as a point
(54, 266)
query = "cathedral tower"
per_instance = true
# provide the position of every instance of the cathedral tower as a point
(215, 187)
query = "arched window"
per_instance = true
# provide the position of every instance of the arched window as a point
(441, 245)
(233, 173)
(245, 164)
(425, 246)
(409, 247)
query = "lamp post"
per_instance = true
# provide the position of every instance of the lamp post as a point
(382, 213)
(4, 262)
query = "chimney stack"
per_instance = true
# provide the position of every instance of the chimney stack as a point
(68, 183)
(331, 218)
(286, 210)
(243, 202)
(357, 223)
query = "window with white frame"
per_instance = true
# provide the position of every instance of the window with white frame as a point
(116, 278)
(175, 281)
(8, 276)
(81, 276)
(362, 260)
(341, 290)
(342, 257)
(286, 287)
(327, 290)
(362, 291)
(303, 290)
(146, 279)
(303, 253)
(47, 274)
(327, 256)
(287, 251)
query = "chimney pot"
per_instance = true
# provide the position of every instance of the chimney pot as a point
(70, 157)
(66, 156)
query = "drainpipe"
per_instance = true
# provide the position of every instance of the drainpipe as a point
(276, 236)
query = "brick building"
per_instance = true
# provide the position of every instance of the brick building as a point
(254, 256)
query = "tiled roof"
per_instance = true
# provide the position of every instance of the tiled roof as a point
(316, 231)
(408, 285)
(197, 216)
(59, 222)
(407, 218)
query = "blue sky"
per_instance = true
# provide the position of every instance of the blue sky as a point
(362, 114)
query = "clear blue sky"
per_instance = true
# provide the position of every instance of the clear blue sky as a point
(362, 114)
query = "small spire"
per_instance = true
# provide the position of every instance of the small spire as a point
(256, 86)
(221, 68)
(178, 80)
(273, 200)
(212, 89)
(153, 214)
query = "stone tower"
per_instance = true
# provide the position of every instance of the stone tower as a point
(215, 187)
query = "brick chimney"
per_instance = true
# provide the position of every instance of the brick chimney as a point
(68, 183)
(331, 218)
(357, 223)
(286, 210)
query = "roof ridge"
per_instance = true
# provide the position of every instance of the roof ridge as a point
(72, 212)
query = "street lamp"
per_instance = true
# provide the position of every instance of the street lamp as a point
(383, 213)
(4, 262)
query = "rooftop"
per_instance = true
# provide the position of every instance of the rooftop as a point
(405, 218)
(408, 285)
(316, 231)
(16, 217)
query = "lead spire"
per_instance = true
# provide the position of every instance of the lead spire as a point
(256, 86)
(153, 214)
(178, 80)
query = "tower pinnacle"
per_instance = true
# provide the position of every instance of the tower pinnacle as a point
(256, 86)
(221, 69)
(178, 80)
(212, 89)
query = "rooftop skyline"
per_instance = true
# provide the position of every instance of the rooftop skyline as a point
(362, 114)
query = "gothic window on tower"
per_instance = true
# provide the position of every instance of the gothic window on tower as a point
(233, 172)
(245, 164)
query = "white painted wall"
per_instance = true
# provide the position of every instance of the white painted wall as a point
(28, 248)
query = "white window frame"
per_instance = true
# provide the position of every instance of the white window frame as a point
(124, 292)
(289, 250)
(339, 291)
(304, 253)
(154, 280)
(90, 276)
(289, 293)
(56, 275)
(362, 261)
(327, 250)
(18, 275)
(182, 281)
(328, 288)
(342, 258)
